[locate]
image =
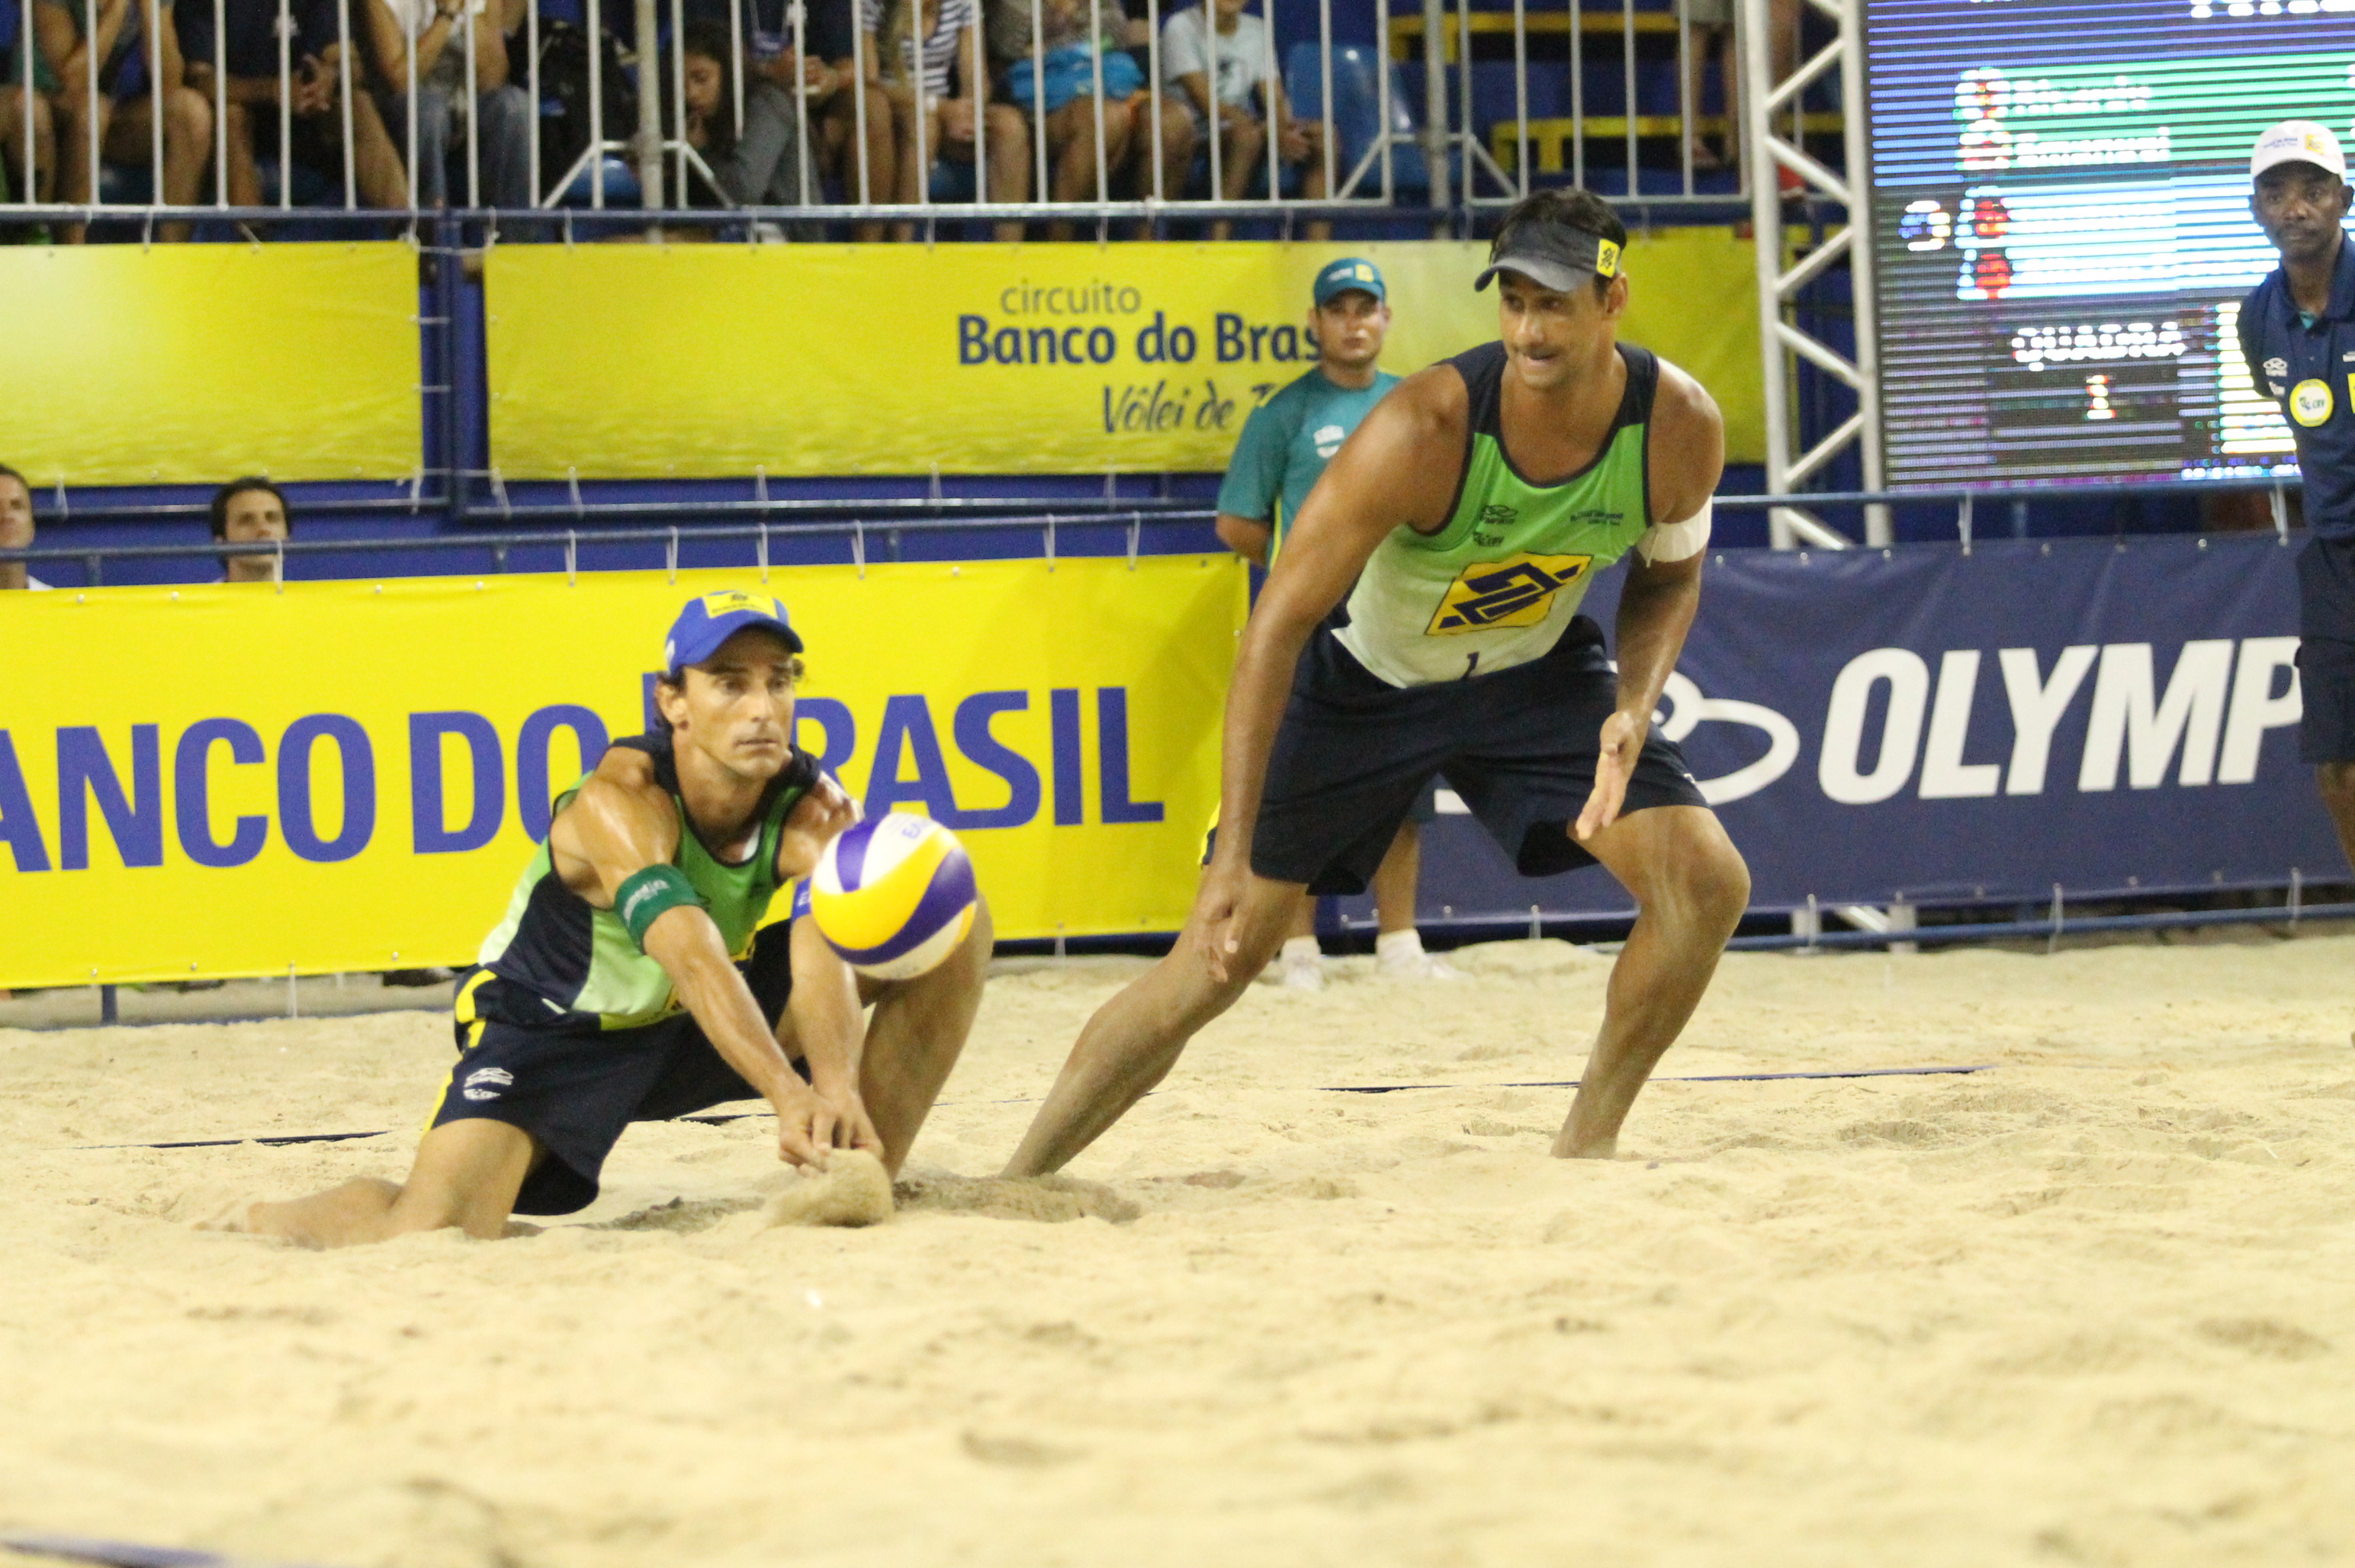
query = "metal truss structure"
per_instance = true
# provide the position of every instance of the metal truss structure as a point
(1767, 153)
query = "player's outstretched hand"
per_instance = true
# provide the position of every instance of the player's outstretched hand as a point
(805, 1124)
(1615, 765)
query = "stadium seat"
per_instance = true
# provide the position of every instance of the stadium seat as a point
(620, 187)
(952, 182)
(1357, 114)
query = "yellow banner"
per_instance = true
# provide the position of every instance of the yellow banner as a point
(232, 780)
(701, 361)
(193, 364)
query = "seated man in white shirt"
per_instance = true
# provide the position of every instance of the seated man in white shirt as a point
(15, 528)
(1245, 102)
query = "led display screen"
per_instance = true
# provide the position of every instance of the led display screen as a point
(2062, 230)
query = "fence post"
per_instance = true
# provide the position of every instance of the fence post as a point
(650, 136)
(449, 269)
(1435, 102)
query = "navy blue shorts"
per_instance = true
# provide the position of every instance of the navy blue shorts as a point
(1354, 753)
(575, 1088)
(2325, 679)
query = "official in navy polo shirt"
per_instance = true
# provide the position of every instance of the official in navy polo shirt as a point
(2297, 334)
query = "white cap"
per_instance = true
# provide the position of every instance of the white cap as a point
(2298, 142)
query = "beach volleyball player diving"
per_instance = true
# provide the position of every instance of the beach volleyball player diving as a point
(1422, 621)
(632, 978)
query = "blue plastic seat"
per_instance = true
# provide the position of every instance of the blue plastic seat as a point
(620, 187)
(1357, 112)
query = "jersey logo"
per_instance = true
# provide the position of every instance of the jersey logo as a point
(1516, 592)
(1492, 516)
(1328, 440)
(2277, 368)
(2310, 402)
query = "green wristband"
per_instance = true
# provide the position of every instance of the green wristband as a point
(646, 896)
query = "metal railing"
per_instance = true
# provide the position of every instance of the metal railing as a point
(1790, 528)
(561, 532)
(1050, 530)
(795, 112)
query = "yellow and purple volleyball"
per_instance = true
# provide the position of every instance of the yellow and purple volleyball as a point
(894, 896)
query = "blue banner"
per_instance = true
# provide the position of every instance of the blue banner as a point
(2114, 716)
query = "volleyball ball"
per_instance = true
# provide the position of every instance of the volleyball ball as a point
(893, 895)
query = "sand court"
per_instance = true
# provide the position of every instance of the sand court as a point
(2097, 1304)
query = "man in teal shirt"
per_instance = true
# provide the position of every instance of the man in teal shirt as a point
(1282, 451)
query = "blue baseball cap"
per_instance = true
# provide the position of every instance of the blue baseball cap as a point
(710, 619)
(1349, 272)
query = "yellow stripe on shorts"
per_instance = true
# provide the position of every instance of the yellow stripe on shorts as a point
(462, 1008)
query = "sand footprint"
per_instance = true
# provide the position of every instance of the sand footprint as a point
(1052, 1199)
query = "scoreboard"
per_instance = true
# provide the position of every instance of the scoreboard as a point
(2061, 230)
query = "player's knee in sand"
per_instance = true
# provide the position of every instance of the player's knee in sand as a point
(465, 1176)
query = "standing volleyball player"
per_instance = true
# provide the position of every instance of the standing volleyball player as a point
(646, 899)
(1422, 618)
(1278, 459)
(2298, 333)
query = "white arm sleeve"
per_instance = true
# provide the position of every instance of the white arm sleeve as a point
(1676, 541)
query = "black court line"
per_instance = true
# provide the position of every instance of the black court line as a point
(120, 1553)
(273, 1141)
(1549, 1083)
(281, 1140)
(1702, 1078)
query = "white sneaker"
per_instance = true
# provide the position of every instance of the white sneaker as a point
(1304, 971)
(1416, 966)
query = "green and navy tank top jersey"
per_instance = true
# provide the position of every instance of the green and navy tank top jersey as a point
(1500, 583)
(578, 960)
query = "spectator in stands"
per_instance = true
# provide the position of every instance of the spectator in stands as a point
(1125, 24)
(760, 165)
(127, 38)
(33, 174)
(914, 49)
(311, 98)
(429, 37)
(15, 528)
(1247, 99)
(819, 62)
(1710, 24)
(251, 510)
(1072, 57)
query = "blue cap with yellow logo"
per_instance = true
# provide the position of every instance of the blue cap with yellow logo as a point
(710, 619)
(1348, 272)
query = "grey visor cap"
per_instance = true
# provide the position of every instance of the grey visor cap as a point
(1540, 270)
(1557, 259)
